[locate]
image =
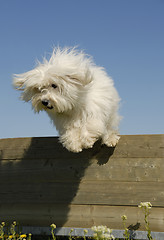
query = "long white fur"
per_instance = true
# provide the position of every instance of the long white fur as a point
(84, 104)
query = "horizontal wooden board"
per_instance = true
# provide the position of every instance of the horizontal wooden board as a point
(84, 216)
(129, 146)
(89, 192)
(51, 170)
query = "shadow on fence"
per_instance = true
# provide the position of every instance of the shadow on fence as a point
(41, 179)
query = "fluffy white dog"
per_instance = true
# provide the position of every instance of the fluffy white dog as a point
(78, 96)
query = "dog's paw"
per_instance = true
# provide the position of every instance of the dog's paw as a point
(88, 142)
(112, 140)
(71, 144)
(73, 148)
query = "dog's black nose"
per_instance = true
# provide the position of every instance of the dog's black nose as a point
(45, 102)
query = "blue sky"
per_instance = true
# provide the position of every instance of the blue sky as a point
(126, 37)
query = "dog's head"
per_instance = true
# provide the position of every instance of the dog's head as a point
(57, 84)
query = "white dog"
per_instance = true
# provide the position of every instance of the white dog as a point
(78, 96)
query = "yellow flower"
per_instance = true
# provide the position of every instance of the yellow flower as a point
(53, 226)
(124, 217)
(23, 236)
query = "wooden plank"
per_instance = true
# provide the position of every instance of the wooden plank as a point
(89, 192)
(116, 169)
(143, 146)
(140, 146)
(84, 216)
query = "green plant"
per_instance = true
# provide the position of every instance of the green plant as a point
(85, 232)
(2, 230)
(70, 234)
(126, 232)
(146, 206)
(53, 227)
(10, 233)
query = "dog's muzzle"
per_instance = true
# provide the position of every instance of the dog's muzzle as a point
(47, 104)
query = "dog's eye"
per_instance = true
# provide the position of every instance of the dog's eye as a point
(54, 86)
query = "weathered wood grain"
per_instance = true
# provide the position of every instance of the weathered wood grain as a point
(81, 215)
(129, 146)
(137, 170)
(41, 182)
(115, 193)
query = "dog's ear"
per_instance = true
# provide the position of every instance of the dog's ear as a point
(19, 81)
(25, 83)
(82, 79)
(23, 80)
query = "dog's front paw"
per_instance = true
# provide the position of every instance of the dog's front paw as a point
(89, 141)
(76, 148)
(111, 140)
(71, 144)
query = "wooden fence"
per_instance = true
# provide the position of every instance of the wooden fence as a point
(42, 183)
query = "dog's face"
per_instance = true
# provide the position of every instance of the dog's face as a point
(56, 85)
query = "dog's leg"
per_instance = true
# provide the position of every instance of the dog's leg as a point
(89, 139)
(111, 136)
(71, 140)
(91, 132)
